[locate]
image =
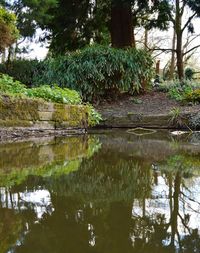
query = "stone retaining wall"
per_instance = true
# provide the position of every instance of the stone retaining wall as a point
(188, 120)
(37, 115)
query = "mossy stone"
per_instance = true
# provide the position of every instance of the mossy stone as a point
(32, 113)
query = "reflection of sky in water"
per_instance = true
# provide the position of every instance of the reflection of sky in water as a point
(159, 204)
(39, 200)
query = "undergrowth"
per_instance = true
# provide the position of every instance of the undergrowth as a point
(186, 91)
(48, 93)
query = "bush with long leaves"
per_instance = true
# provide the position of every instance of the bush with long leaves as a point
(96, 70)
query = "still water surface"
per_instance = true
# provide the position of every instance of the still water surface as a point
(108, 192)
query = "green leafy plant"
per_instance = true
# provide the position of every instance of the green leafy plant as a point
(193, 96)
(8, 85)
(94, 117)
(53, 94)
(177, 118)
(94, 71)
(180, 91)
(23, 70)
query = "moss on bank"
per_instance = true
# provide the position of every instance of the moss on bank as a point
(44, 103)
(12, 108)
(70, 115)
(24, 112)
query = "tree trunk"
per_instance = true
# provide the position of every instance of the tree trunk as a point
(146, 38)
(8, 62)
(179, 54)
(158, 67)
(3, 58)
(172, 65)
(121, 25)
(179, 41)
(133, 39)
(15, 51)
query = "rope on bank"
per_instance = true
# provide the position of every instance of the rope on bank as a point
(146, 131)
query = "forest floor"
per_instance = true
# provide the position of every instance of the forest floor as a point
(152, 110)
(151, 103)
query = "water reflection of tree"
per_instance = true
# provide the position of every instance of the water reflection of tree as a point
(10, 227)
(105, 192)
(191, 240)
(168, 231)
(93, 209)
(109, 188)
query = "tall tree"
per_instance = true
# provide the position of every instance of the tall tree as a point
(126, 15)
(70, 25)
(75, 23)
(172, 63)
(176, 11)
(8, 29)
(122, 24)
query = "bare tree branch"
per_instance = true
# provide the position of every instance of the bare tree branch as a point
(190, 50)
(183, 8)
(185, 225)
(188, 21)
(155, 56)
(164, 49)
(171, 18)
(189, 40)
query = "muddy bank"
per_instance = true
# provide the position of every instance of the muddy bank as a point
(23, 133)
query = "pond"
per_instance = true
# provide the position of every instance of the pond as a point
(110, 191)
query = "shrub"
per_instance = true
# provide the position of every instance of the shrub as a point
(189, 73)
(93, 71)
(193, 96)
(23, 70)
(177, 90)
